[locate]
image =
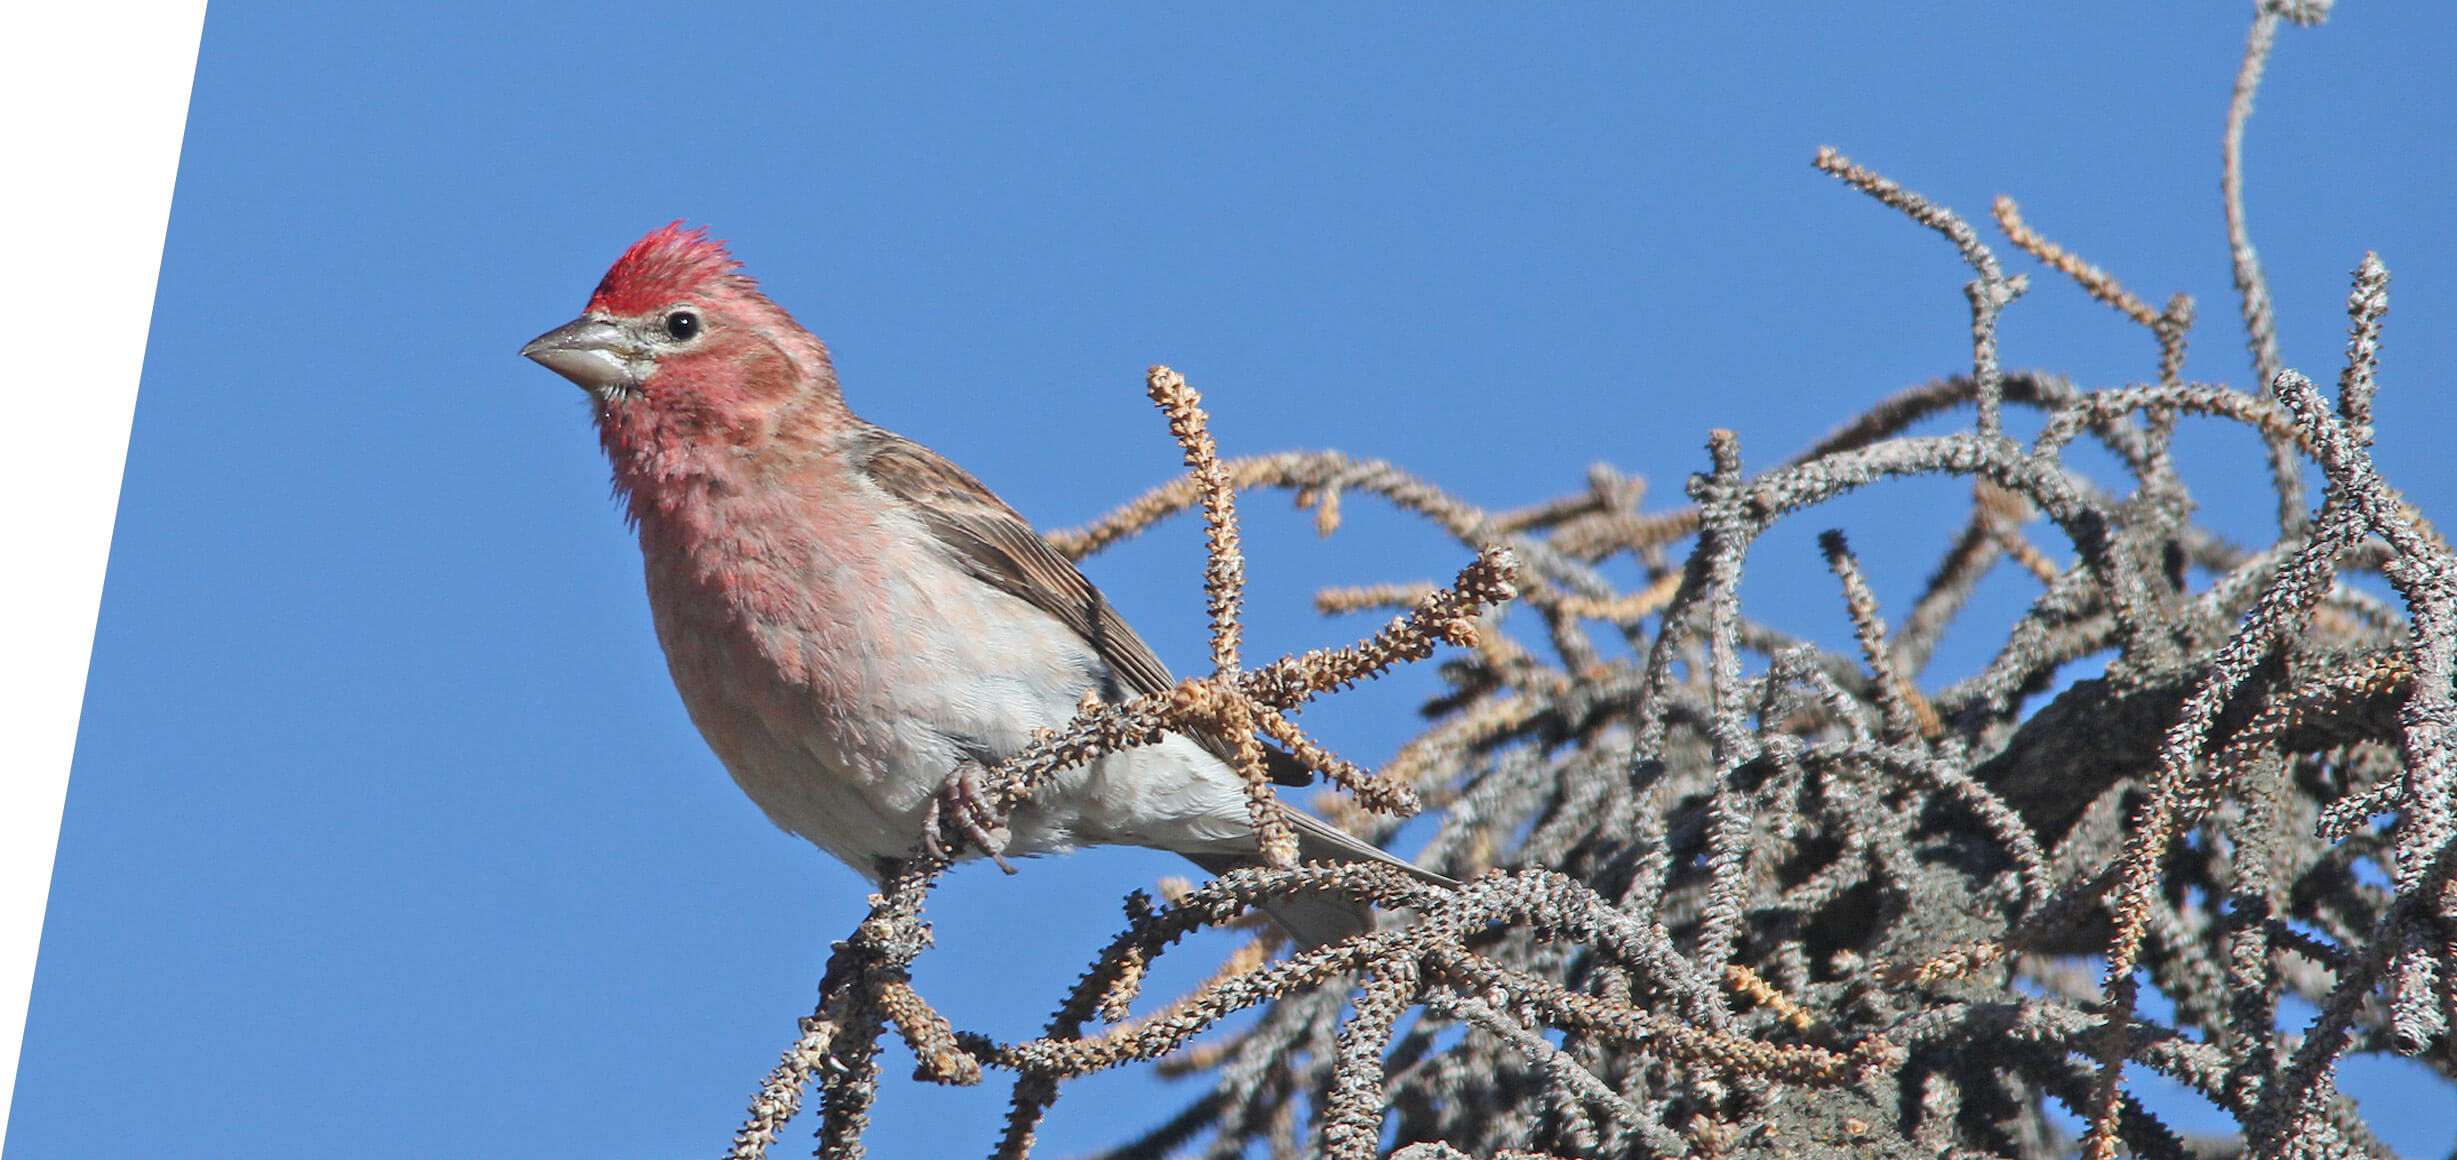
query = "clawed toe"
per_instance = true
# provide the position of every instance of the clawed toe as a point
(960, 812)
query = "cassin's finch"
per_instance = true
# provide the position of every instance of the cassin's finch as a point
(855, 624)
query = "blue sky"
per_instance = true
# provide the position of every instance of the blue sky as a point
(386, 835)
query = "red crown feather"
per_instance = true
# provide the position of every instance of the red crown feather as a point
(669, 263)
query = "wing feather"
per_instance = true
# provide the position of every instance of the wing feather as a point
(998, 546)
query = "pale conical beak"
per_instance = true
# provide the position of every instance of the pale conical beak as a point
(592, 353)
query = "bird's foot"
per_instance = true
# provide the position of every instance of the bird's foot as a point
(961, 812)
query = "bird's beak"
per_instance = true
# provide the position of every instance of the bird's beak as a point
(592, 353)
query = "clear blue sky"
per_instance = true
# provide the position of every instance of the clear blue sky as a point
(387, 836)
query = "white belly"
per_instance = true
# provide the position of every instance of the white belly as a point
(840, 713)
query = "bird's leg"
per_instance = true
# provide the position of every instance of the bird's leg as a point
(961, 812)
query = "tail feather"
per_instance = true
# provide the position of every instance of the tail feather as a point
(1314, 922)
(1320, 841)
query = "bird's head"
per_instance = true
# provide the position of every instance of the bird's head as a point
(680, 349)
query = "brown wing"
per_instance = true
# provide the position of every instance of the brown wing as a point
(1000, 548)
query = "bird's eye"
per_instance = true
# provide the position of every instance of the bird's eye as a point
(682, 325)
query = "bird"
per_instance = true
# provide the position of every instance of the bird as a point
(857, 626)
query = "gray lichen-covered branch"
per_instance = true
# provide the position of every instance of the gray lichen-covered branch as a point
(1728, 893)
